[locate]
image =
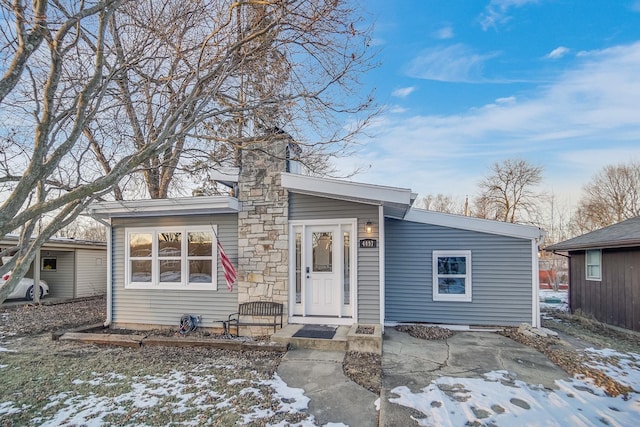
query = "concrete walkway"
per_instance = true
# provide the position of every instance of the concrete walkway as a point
(412, 362)
(334, 398)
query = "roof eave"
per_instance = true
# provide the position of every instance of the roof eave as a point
(347, 190)
(595, 245)
(475, 224)
(159, 207)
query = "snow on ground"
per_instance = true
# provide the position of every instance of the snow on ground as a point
(176, 393)
(500, 399)
(547, 294)
(2, 342)
(623, 367)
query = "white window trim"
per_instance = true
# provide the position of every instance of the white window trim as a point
(586, 265)
(437, 296)
(43, 259)
(184, 259)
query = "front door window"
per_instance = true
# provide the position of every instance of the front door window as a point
(322, 252)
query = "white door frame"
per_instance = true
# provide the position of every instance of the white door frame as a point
(298, 311)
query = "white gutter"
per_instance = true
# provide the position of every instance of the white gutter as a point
(158, 207)
(381, 263)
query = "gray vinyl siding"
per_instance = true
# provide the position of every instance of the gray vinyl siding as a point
(501, 276)
(305, 207)
(61, 282)
(91, 272)
(164, 307)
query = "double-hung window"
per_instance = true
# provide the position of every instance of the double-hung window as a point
(171, 258)
(452, 276)
(594, 265)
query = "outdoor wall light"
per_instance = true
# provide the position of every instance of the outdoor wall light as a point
(368, 227)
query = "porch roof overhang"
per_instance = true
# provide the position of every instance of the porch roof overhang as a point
(162, 207)
(481, 225)
(396, 201)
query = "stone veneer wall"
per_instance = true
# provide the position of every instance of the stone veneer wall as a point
(263, 231)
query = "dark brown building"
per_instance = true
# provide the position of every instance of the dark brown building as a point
(604, 273)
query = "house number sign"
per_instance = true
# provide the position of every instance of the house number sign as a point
(368, 243)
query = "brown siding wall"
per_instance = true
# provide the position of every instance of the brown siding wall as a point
(615, 299)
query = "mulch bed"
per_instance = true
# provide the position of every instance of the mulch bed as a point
(425, 332)
(364, 369)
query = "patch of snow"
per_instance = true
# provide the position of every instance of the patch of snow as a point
(377, 403)
(55, 400)
(8, 408)
(563, 296)
(624, 367)
(3, 366)
(175, 390)
(499, 399)
(6, 350)
(293, 399)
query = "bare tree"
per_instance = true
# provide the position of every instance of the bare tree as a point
(509, 193)
(442, 203)
(612, 195)
(276, 66)
(94, 90)
(556, 219)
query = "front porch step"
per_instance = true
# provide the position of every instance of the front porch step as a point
(345, 339)
(337, 343)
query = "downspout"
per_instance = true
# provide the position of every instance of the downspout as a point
(381, 263)
(107, 321)
(109, 318)
(535, 276)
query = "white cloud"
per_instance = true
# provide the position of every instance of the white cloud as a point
(497, 12)
(403, 92)
(455, 63)
(558, 52)
(506, 100)
(396, 109)
(636, 6)
(444, 33)
(574, 126)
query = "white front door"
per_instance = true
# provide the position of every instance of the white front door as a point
(322, 270)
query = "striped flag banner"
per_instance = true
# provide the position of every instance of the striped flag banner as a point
(230, 274)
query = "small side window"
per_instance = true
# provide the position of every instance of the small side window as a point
(49, 263)
(452, 276)
(594, 265)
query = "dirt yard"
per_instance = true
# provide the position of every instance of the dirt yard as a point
(47, 382)
(40, 377)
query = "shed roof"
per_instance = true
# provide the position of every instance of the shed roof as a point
(396, 201)
(620, 235)
(481, 225)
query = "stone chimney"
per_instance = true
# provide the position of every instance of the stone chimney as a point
(263, 231)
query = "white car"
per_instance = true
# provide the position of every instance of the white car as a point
(24, 289)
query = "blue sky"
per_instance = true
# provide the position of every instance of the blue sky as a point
(467, 83)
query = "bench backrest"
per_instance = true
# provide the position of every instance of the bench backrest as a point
(260, 308)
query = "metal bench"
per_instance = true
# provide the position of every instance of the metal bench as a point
(273, 310)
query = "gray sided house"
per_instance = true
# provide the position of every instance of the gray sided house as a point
(72, 268)
(331, 251)
(604, 273)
